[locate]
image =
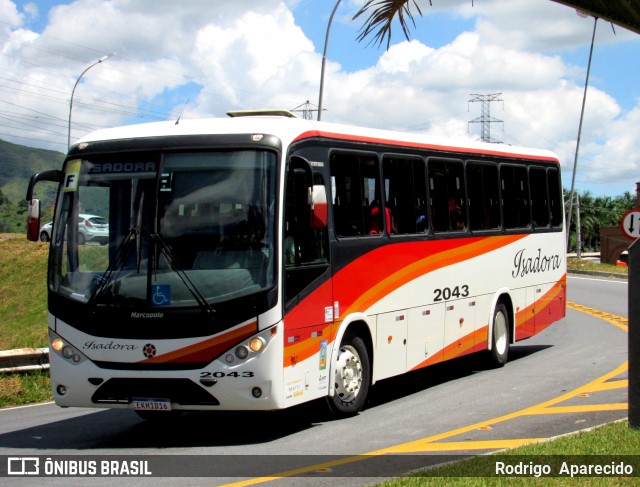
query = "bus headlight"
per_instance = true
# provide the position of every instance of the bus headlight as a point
(66, 350)
(256, 344)
(242, 352)
(57, 344)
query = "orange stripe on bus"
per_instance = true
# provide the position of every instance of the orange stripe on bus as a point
(208, 349)
(426, 265)
(306, 347)
(525, 318)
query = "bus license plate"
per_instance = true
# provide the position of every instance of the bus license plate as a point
(150, 404)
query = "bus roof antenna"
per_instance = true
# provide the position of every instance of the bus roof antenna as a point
(182, 111)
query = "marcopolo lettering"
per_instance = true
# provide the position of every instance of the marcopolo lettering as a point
(524, 264)
(136, 314)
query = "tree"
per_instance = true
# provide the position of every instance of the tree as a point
(382, 17)
(382, 12)
(597, 212)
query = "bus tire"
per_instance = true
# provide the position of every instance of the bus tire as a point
(352, 377)
(500, 336)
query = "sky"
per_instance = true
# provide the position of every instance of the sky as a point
(202, 58)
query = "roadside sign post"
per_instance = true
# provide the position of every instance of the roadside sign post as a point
(630, 223)
(634, 334)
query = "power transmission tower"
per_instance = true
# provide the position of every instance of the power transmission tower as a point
(307, 109)
(485, 119)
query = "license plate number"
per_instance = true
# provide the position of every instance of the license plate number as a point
(150, 404)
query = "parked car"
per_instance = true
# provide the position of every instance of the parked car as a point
(91, 228)
(45, 232)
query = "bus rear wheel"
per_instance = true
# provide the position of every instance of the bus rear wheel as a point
(352, 377)
(500, 336)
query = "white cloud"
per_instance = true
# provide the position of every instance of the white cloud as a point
(245, 54)
(10, 14)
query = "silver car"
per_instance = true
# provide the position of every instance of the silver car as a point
(45, 232)
(91, 228)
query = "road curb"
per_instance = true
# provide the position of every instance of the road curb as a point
(606, 275)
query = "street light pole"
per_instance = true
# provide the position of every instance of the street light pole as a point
(324, 59)
(575, 160)
(102, 59)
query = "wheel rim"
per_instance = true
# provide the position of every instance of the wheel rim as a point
(348, 374)
(500, 332)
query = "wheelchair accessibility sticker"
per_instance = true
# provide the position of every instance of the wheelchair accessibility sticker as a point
(161, 294)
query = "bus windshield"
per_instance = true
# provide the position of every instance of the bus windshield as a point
(165, 229)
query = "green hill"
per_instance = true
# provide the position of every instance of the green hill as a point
(18, 163)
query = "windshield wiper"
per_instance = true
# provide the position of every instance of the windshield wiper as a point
(120, 256)
(177, 268)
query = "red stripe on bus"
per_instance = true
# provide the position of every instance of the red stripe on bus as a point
(206, 350)
(420, 145)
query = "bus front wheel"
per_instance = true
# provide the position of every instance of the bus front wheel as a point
(352, 377)
(500, 336)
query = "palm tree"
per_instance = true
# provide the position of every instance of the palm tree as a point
(382, 16)
(382, 13)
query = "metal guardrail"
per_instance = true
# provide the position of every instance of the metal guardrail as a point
(24, 360)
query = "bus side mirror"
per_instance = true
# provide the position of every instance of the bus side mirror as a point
(318, 206)
(33, 220)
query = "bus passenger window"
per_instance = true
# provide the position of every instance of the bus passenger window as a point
(405, 195)
(484, 196)
(447, 195)
(514, 185)
(355, 188)
(539, 200)
(556, 207)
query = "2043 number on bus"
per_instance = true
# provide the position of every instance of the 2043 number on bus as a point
(447, 293)
(220, 375)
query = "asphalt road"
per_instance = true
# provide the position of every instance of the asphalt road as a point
(569, 377)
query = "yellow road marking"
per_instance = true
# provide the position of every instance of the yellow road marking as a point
(590, 408)
(602, 383)
(615, 320)
(476, 445)
(607, 386)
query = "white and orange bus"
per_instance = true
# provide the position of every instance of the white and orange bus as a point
(261, 261)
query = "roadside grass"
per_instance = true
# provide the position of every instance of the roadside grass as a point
(23, 389)
(23, 292)
(575, 264)
(598, 446)
(23, 315)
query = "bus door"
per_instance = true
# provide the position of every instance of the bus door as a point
(307, 292)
